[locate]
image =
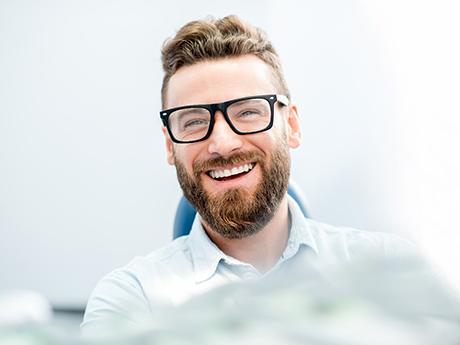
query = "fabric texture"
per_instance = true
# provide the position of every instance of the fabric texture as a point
(191, 265)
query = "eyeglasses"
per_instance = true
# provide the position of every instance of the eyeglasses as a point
(247, 115)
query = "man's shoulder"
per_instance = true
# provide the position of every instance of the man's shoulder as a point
(353, 241)
(171, 255)
(143, 273)
(132, 292)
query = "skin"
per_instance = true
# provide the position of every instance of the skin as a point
(220, 80)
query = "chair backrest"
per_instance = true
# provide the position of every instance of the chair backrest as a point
(185, 213)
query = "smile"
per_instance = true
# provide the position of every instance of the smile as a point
(219, 174)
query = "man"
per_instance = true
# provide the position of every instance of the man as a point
(229, 126)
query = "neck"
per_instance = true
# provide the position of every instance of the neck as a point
(263, 249)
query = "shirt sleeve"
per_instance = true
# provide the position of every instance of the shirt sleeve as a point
(118, 302)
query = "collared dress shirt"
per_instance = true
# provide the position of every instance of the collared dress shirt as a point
(193, 264)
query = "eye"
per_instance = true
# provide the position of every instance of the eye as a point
(248, 113)
(193, 123)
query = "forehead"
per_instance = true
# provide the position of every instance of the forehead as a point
(219, 80)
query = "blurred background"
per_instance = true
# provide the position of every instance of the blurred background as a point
(84, 184)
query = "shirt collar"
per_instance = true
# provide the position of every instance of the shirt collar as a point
(300, 234)
(206, 255)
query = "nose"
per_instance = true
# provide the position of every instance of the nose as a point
(223, 140)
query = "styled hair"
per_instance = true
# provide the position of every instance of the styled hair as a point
(212, 39)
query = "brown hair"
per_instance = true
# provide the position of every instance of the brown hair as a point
(211, 39)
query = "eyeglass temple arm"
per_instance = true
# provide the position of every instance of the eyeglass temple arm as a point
(282, 99)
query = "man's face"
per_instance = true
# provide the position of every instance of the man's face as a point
(239, 205)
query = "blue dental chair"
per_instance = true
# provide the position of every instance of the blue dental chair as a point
(185, 213)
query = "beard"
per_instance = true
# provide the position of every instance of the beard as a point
(235, 213)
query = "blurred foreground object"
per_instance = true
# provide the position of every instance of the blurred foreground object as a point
(370, 301)
(18, 307)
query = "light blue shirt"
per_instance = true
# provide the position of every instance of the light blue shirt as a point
(193, 264)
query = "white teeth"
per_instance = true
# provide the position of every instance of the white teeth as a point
(234, 171)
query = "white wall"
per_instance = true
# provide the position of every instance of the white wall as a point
(420, 40)
(84, 185)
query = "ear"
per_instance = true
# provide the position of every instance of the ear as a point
(294, 131)
(169, 147)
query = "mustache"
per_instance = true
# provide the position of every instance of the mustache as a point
(206, 165)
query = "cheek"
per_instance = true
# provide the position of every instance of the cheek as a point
(186, 156)
(277, 138)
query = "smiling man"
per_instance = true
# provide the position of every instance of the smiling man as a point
(230, 145)
(229, 125)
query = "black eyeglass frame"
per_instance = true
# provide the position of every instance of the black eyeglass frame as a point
(213, 107)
